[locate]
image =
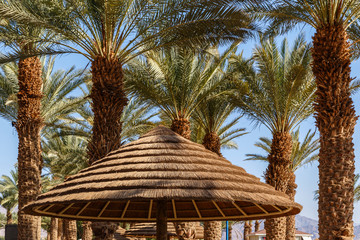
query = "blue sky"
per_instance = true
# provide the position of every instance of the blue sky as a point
(306, 178)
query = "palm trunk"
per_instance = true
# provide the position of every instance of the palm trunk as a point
(184, 230)
(28, 126)
(70, 230)
(230, 230)
(247, 230)
(87, 231)
(290, 220)
(278, 174)
(54, 229)
(108, 100)
(60, 228)
(257, 226)
(9, 217)
(335, 119)
(212, 229)
(182, 127)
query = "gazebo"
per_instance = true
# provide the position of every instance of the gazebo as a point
(163, 177)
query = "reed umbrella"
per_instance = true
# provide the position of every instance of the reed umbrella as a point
(163, 177)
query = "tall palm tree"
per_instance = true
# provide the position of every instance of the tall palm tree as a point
(26, 41)
(212, 128)
(335, 113)
(177, 81)
(302, 154)
(9, 194)
(281, 91)
(53, 108)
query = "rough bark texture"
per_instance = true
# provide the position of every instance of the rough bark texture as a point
(290, 221)
(184, 230)
(211, 141)
(9, 219)
(108, 100)
(230, 231)
(212, 229)
(247, 230)
(182, 127)
(70, 229)
(335, 119)
(60, 228)
(28, 126)
(87, 231)
(161, 221)
(54, 229)
(278, 174)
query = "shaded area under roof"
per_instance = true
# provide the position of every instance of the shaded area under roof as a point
(148, 230)
(197, 184)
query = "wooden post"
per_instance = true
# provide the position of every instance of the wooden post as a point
(161, 220)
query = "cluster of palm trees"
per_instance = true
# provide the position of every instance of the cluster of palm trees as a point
(155, 62)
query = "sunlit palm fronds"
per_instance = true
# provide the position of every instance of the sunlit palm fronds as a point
(280, 84)
(128, 28)
(176, 80)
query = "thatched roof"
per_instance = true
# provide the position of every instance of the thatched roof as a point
(197, 184)
(148, 230)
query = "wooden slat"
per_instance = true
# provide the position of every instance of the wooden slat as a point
(174, 208)
(62, 211)
(239, 208)
(125, 209)
(150, 209)
(196, 208)
(262, 209)
(218, 208)
(103, 209)
(83, 208)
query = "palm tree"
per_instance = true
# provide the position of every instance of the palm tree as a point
(211, 125)
(214, 131)
(9, 194)
(54, 108)
(302, 154)
(26, 41)
(178, 81)
(335, 113)
(281, 91)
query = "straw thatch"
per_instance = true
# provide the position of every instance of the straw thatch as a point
(196, 183)
(148, 230)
